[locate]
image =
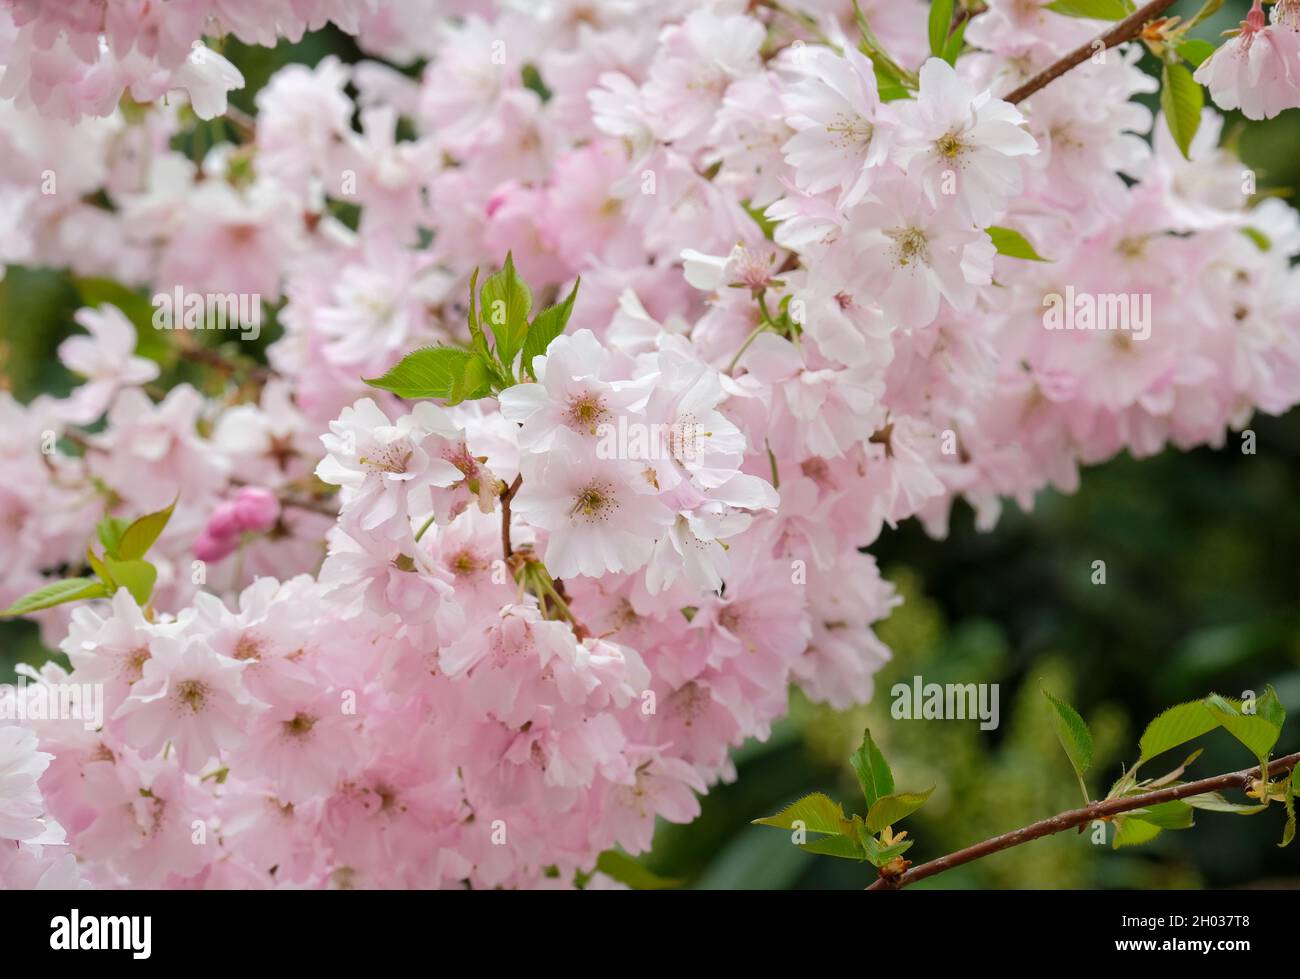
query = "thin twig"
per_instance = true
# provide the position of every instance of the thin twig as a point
(1127, 29)
(1078, 817)
(506, 497)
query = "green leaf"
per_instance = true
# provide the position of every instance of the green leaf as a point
(955, 43)
(872, 770)
(1013, 244)
(625, 870)
(477, 337)
(1181, 99)
(431, 372)
(1215, 802)
(1175, 814)
(836, 846)
(136, 576)
(890, 809)
(1132, 831)
(1093, 9)
(1258, 731)
(1173, 727)
(475, 381)
(67, 590)
(1208, 9)
(1073, 734)
(141, 534)
(1261, 240)
(504, 304)
(818, 812)
(101, 570)
(1194, 50)
(110, 532)
(547, 325)
(532, 79)
(940, 22)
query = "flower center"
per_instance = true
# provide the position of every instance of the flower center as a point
(193, 694)
(586, 412)
(594, 502)
(910, 246)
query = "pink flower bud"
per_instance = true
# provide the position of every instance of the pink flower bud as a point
(225, 521)
(211, 547)
(257, 509)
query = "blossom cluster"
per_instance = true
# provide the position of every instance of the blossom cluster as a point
(396, 643)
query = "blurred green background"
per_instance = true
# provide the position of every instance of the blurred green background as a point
(1201, 596)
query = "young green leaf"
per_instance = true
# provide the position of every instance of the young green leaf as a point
(431, 372)
(504, 304)
(1175, 814)
(1194, 50)
(890, 809)
(625, 870)
(1181, 100)
(1258, 731)
(955, 43)
(142, 533)
(1093, 9)
(940, 22)
(1073, 734)
(1208, 9)
(1261, 240)
(1173, 727)
(136, 576)
(101, 570)
(836, 846)
(1215, 802)
(872, 770)
(818, 812)
(478, 339)
(475, 381)
(1013, 244)
(110, 532)
(1132, 831)
(67, 590)
(547, 325)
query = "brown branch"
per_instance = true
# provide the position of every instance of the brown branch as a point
(1079, 817)
(506, 497)
(1127, 29)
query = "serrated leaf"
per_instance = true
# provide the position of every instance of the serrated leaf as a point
(1194, 50)
(547, 325)
(818, 813)
(110, 532)
(1258, 731)
(1131, 831)
(141, 534)
(504, 304)
(1181, 99)
(940, 22)
(431, 372)
(1093, 9)
(1013, 244)
(56, 593)
(1215, 802)
(625, 870)
(136, 576)
(872, 770)
(1175, 726)
(1073, 734)
(475, 381)
(845, 847)
(890, 809)
(478, 339)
